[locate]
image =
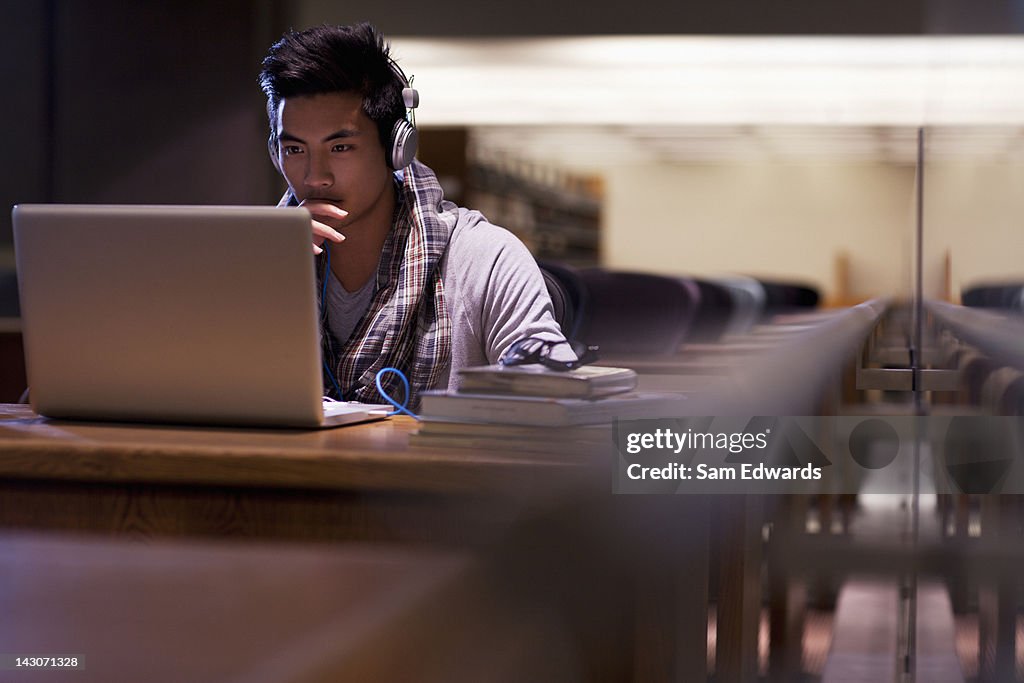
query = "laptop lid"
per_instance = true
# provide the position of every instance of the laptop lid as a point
(192, 314)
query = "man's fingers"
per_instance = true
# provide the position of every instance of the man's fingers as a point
(321, 208)
(322, 231)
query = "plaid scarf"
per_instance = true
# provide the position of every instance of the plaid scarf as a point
(407, 325)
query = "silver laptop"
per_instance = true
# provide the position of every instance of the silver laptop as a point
(187, 314)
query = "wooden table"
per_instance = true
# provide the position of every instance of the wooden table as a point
(625, 575)
(361, 482)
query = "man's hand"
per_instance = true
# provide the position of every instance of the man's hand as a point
(325, 214)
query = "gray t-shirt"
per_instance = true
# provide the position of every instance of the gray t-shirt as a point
(345, 308)
(493, 289)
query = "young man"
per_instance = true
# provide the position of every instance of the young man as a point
(406, 279)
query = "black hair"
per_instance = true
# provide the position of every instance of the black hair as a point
(326, 59)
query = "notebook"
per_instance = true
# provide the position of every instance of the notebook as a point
(184, 314)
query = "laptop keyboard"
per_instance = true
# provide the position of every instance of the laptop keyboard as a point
(332, 408)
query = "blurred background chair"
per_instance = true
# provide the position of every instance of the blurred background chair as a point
(713, 313)
(782, 297)
(748, 299)
(1007, 295)
(637, 314)
(568, 295)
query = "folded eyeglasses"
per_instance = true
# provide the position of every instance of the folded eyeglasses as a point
(535, 350)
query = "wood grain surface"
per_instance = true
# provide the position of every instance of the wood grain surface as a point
(362, 457)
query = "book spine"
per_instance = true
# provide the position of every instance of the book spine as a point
(511, 445)
(526, 388)
(548, 414)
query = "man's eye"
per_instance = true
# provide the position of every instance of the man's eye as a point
(341, 148)
(289, 150)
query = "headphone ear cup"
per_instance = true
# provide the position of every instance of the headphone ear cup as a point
(404, 139)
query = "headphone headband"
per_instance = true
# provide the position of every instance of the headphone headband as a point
(410, 97)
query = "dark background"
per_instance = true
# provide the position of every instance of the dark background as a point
(157, 102)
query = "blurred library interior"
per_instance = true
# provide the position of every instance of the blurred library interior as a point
(790, 209)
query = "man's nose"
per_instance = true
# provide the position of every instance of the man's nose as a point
(318, 174)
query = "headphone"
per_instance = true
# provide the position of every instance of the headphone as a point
(404, 138)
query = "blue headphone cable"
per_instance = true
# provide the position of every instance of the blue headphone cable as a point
(402, 407)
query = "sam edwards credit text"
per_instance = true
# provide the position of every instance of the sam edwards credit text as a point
(732, 472)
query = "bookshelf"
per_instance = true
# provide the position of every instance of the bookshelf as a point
(554, 211)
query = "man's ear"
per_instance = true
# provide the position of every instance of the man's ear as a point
(272, 148)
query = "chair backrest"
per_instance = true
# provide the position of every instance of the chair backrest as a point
(568, 295)
(748, 298)
(784, 296)
(974, 296)
(1017, 298)
(713, 313)
(560, 304)
(637, 313)
(1009, 295)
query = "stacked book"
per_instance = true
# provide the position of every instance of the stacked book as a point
(526, 440)
(531, 409)
(589, 381)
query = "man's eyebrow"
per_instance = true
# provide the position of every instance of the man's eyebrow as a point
(285, 136)
(343, 133)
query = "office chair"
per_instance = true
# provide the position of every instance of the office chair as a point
(637, 313)
(748, 298)
(713, 312)
(1009, 295)
(780, 296)
(568, 295)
